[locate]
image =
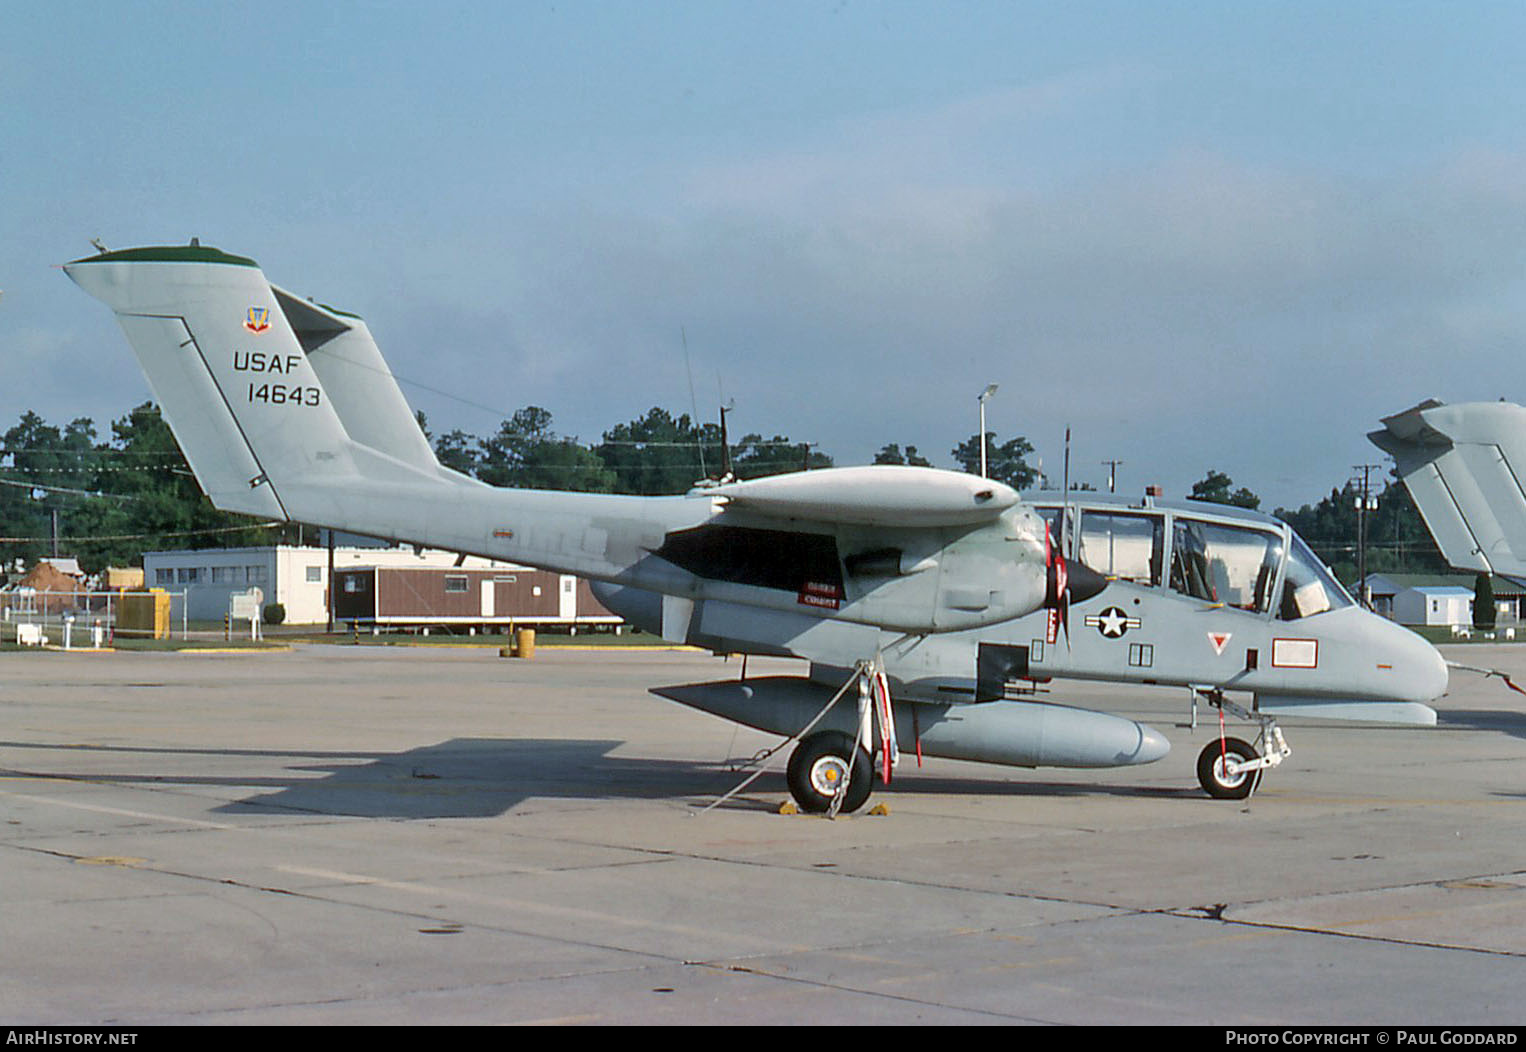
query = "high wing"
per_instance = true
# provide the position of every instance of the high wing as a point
(285, 409)
(1464, 465)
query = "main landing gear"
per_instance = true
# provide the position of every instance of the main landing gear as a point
(1230, 769)
(831, 772)
(818, 768)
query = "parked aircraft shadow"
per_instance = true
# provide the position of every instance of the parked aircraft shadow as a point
(459, 778)
(1511, 723)
(166, 750)
(484, 777)
(481, 777)
(1018, 785)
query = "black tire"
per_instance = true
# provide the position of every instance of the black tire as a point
(1210, 769)
(815, 767)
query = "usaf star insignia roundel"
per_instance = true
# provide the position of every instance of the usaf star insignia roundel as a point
(1112, 623)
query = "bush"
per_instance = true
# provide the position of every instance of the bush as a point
(1483, 603)
(275, 613)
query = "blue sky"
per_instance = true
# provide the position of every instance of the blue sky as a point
(1224, 235)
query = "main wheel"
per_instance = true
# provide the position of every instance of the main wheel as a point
(1213, 773)
(817, 768)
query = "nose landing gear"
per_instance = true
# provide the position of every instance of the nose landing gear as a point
(1230, 769)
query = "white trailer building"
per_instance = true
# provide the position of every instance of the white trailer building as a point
(295, 577)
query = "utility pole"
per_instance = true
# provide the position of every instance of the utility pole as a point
(1365, 503)
(328, 591)
(1112, 474)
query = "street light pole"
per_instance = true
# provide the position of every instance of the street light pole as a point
(984, 395)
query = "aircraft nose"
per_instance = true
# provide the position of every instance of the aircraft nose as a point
(1421, 670)
(1431, 669)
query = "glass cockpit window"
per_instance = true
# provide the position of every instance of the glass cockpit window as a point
(1233, 565)
(1127, 547)
(1309, 588)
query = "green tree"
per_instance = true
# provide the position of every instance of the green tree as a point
(891, 454)
(1484, 613)
(115, 499)
(659, 453)
(527, 453)
(1006, 462)
(51, 475)
(458, 451)
(155, 501)
(1215, 488)
(1397, 540)
(753, 457)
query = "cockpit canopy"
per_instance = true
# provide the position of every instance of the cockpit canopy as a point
(1260, 566)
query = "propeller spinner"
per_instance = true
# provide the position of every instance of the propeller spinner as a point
(1068, 582)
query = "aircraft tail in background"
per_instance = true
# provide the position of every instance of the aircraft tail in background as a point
(1464, 465)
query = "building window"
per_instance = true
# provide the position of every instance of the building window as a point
(254, 574)
(315, 575)
(164, 576)
(455, 582)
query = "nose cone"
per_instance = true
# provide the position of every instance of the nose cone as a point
(1408, 668)
(1084, 582)
(1426, 668)
(1153, 745)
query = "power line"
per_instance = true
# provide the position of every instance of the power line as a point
(144, 536)
(69, 489)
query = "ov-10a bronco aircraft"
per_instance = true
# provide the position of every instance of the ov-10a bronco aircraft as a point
(930, 590)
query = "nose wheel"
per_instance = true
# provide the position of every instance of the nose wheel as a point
(1226, 769)
(820, 770)
(1230, 769)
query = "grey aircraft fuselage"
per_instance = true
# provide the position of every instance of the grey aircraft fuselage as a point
(1199, 595)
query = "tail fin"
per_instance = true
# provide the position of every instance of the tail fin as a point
(360, 387)
(280, 405)
(1464, 465)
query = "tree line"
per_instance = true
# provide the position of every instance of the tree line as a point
(1394, 533)
(107, 500)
